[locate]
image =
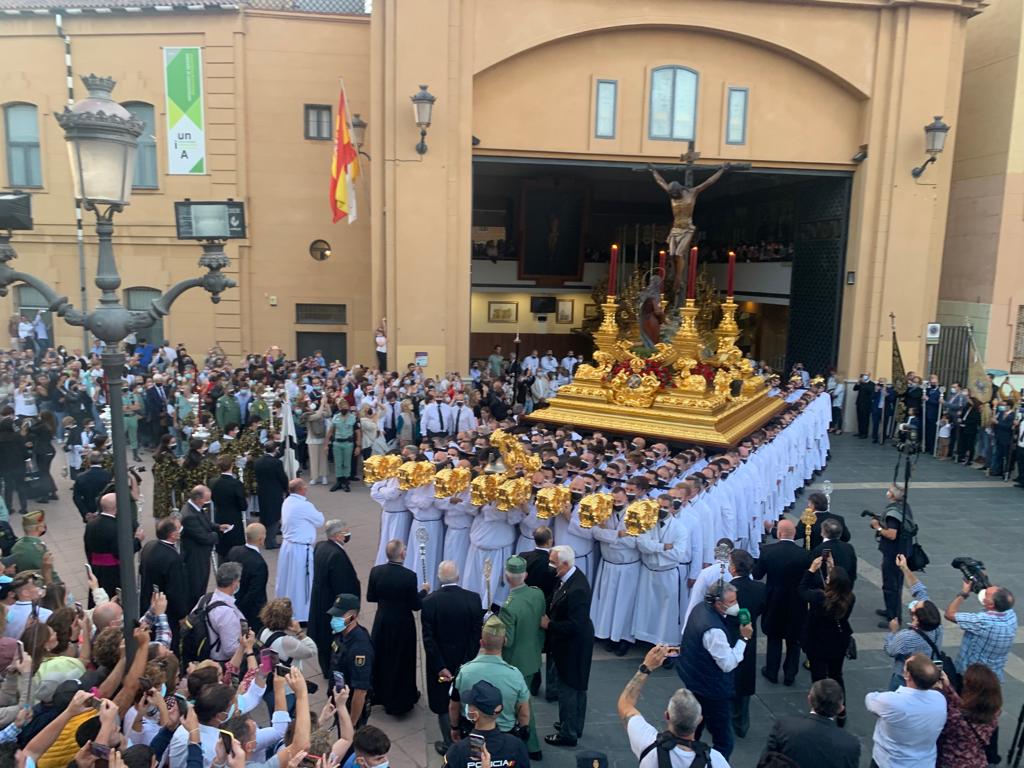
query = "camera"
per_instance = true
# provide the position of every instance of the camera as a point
(872, 515)
(973, 571)
(906, 439)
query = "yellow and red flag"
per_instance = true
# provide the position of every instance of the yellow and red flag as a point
(344, 164)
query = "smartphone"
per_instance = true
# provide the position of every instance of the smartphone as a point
(117, 594)
(21, 651)
(282, 670)
(309, 761)
(79, 609)
(182, 703)
(476, 745)
(339, 681)
(938, 664)
(268, 659)
(102, 751)
(93, 702)
(156, 588)
(226, 738)
(673, 651)
(244, 626)
(88, 571)
(826, 554)
(744, 617)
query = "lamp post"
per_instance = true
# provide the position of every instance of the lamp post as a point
(423, 110)
(102, 137)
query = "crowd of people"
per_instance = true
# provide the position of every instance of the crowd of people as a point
(687, 551)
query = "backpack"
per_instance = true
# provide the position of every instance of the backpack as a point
(667, 741)
(195, 643)
(947, 663)
(7, 537)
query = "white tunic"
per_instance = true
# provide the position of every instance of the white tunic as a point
(527, 526)
(657, 618)
(395, 519)
(458, 518)
(490, 538)
(299, 523)
(570, 533)
(618, 577)
(425, 517)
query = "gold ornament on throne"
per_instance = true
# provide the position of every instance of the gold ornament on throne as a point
(552, 501)
(640, 516)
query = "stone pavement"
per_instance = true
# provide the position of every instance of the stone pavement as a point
(959, 510)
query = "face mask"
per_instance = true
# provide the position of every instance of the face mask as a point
(981, 598)
(618, 507)
(576, 496)
(630, 496)
(347, 538)
(163, 689)
(677, 503)
(733, 610)
(911, 606)
(337, 624)
(552, 566)
(5, 579)
(230, 712)
(953, 390)
(172, 446)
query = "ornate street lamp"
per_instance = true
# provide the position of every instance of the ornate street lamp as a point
(423, 110)
(102, 137)
(934, 142)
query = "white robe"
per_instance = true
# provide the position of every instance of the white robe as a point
(527, 526)
(570, 533)
(299, 523)
(458, 518)
(490, 538)
(618, 577)
(426, 517)
(657, 618)
(395, 519)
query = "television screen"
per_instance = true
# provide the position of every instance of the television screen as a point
(542, 305)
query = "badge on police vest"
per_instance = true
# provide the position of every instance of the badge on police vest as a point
(360, 661)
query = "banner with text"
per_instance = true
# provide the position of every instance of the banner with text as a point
(186, 124)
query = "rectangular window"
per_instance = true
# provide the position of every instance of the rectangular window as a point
(673, 105)
(604, 121)
(321, 314)
(736, 119)
(145, 155)
(1017, 365)
(22, 130)
(318, 122)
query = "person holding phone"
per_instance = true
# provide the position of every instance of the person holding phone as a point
(827, 631)
(483, 702)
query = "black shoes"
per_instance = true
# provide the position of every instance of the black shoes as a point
(440, 748)
(337, 486)
(881, 612)
(622, 648)
(770, 678)
(557, 740)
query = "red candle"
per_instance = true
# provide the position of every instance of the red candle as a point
(661, 264)
(732, 270)
(691, 284)
(613, 272)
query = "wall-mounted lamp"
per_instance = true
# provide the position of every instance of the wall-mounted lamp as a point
(423, 108)
(934, 142)
(359, 133)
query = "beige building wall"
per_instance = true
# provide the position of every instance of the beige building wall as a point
(260, 68)
(983, 268)
(824, 78)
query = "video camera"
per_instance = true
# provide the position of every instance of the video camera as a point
(872, 515)
(973, 571)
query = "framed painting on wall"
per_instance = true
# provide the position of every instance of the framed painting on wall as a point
(502, 311)
(553, 217)
(591, 311)
(565, 311)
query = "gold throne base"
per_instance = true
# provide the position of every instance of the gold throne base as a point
(691, 410)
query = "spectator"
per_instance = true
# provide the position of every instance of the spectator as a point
(223, 616)
(925, 625)
(814, 739)
(827, 630)
(972, 717)
(910, 718)
(12, 465)
(988, 635)
(483, 708)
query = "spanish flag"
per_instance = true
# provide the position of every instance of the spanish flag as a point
(344, 164)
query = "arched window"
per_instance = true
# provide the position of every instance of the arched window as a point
(21, 128)
(145, 155)
(140, 299)
(673, 113)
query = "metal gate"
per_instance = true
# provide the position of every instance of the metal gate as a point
(952, 355)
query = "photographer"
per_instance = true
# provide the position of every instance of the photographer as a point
(925, 622)
(895, 531)
(988, 635)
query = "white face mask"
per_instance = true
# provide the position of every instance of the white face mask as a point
(733, 610)
(981, 598)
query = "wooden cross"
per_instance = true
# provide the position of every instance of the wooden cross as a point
(689, 160)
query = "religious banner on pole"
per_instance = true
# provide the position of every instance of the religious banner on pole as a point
(899, 374)
(186, 123)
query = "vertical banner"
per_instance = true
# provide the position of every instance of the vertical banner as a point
(186, 124)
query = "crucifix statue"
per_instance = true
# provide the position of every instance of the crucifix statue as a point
(683, 198)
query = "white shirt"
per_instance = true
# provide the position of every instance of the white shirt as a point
(25, 330)
(436, 417)
(909, 722)
(727, 659)
(17, 617)
(462, 419)
(642, 734)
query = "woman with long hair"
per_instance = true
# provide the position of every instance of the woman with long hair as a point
(40, 438)
(826, 635)
(167, 478)
(50, 668)
(971, 718)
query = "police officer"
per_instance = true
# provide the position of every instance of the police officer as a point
(133, 404)
(352, 656)
(341, 433)
(484, 704)
(524, 639)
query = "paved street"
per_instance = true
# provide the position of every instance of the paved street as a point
(959, 510)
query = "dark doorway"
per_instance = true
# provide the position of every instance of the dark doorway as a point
(333, 346)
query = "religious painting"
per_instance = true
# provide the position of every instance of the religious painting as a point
(564, 313)
(502, 311)
(552, 221)
(591, 311)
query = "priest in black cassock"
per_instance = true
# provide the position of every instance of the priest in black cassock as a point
(101, 546)
(229, 503)
(393, 587)
(333, 575)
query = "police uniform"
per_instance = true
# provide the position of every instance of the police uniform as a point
(499, 673)
(133, 405)
(352, 655)
(28, 551)
(343, 429)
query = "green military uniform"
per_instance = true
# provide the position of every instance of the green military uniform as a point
(133, 406)
(228, 411)
(344, 430)
(28, 551)
(499, 673)
(524, 639)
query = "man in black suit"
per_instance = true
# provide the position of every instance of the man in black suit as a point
(865, 389)
(89, 485)
(229, 503)
(161, 569)
(156, 399)
(783, 563)
(819, 503)
(452, 621)
(333, 575)
(540, 575)
(814, 739)
(271, 490)
(199, 535)
(252, 593)
(843, 554)
(752, 596)
(571, 642)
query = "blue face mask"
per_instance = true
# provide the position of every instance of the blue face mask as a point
(337, 624)
(230, 712)
(163, 690)
(5, 579)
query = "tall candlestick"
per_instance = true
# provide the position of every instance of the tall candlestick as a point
(732, 270)
(613, 272)
(691, 283)
(661, 264)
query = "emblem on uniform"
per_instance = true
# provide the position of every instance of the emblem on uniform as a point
(360, 661)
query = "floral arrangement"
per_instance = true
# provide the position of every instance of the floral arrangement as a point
(705, 370)
(660, 372)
